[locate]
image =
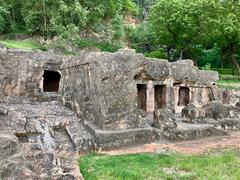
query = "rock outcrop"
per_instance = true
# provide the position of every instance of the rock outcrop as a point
(40, 140)
(54, 106)
(164, 120)
(214, 110)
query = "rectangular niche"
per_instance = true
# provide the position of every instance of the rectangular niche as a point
(183, 96)
(160, 94)
(142, 96)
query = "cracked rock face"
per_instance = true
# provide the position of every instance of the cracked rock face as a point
(40, 140)
(101, 89)
(164, 120)
(213, 110)
(9, 145)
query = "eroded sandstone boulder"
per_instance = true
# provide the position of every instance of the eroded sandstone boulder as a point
(164, 119)
(213, 110)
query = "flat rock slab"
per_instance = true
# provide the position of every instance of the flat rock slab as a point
(187, 131)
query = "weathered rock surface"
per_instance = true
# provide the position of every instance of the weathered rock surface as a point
(97, 103)
(36, 141)
(164, 120)
(238, 104)
(213, 110)
(188, 131)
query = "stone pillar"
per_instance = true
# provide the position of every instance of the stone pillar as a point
(150, 97)
(171, 95)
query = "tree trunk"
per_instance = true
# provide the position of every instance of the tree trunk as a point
(13, 16)
(168, 54)
(44, 16)
(182, 52)
(222, 58)
(234, 59)
(235, 62)
(181, 55)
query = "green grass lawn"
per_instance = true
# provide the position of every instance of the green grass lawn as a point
(21, 44)
(222, 164)
(229, 84)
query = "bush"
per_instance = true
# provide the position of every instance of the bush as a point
(160, 54)
(230, 77)
(206, 67)
(140, 38)
(210, 57)
(103, 46)
(225, 71)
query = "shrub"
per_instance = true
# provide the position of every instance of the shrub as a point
(160, 54)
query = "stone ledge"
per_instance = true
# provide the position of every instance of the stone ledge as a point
(228, 124)
(187, 131)
(121, 138)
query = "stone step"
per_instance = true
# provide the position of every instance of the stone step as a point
(47, 97)
(189, 131)
(81, 138)
(227, 124)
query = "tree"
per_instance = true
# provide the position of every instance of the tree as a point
(144, 8)
(228, 38)
(4, 12)
(182, 24)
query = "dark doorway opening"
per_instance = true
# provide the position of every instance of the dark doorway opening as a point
(226, 97)
(142, 96)
(184, 96)
(160, 96)
(51, 81)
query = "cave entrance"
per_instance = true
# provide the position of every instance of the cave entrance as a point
(142, 96)
(160, 96)
(184, 96)
(51, 80)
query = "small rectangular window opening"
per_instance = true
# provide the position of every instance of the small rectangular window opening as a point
(142, 96)
(160, 96)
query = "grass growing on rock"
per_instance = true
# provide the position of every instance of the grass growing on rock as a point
(220, 165)
(27, 44)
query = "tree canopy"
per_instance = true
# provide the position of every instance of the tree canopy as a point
(207, 31)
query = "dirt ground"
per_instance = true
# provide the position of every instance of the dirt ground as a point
(187, 147)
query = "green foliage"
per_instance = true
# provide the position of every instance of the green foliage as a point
(160, 54)
(225, 71)
(117, 27)
(144, 7)
(230, 77)
(161, 166)
(129, 7)
(103, 46)
(206, 66)
(141, 38)
(55, 17)
(25, 44)
(229, 84)
(4, 12)
(211, 57)
(207, 31)
(182, 24)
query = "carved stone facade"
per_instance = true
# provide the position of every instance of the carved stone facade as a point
(107, 100)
